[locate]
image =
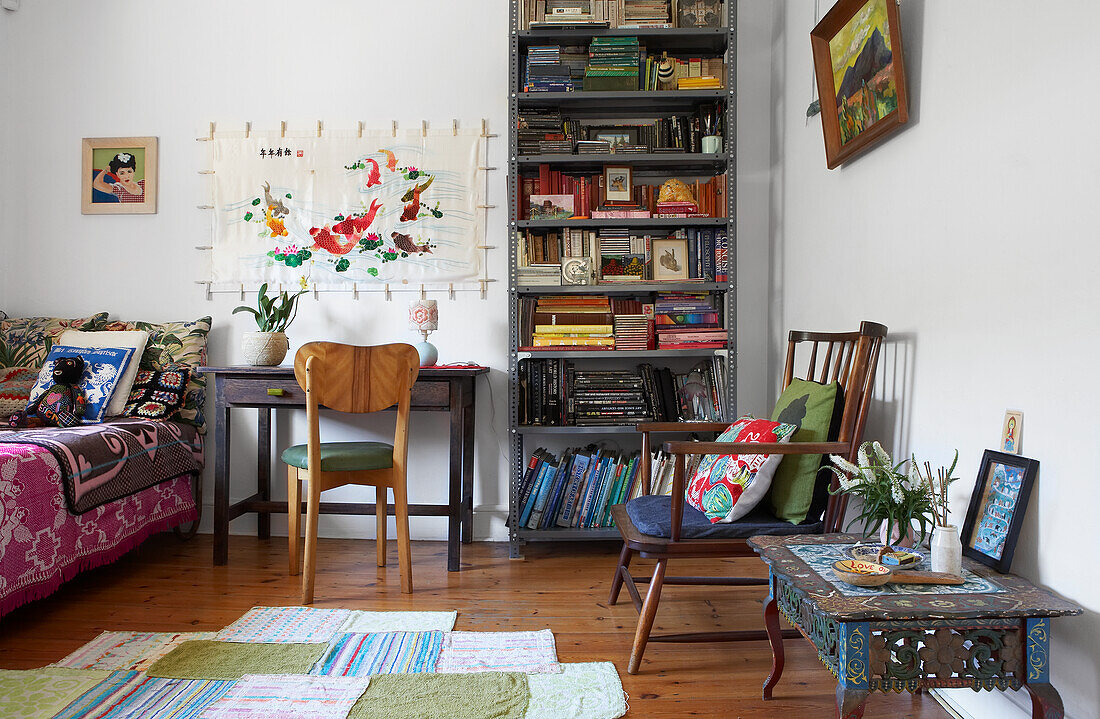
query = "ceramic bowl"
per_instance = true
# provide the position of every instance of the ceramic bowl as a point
(899, 559)
(861, 573)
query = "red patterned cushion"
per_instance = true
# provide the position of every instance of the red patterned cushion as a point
(16, 384)
(157, 394)
(726, 487)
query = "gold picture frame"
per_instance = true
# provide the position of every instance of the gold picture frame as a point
(119, 176)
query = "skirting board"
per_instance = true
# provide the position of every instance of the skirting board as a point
(964, 704)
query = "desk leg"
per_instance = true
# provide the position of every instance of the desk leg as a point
(853, 670)
(263, 469)
(221, 484)
(468, 462)
(454, 485)
(1045, 702)
(850, 702)
(775, 638)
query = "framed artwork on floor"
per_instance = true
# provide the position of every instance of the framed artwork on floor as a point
(996, 510)
(860, 71)
(119, 176)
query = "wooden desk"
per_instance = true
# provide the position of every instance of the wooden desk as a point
(991, 633)
(266, 388)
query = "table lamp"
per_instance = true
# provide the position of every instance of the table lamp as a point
(424, 317)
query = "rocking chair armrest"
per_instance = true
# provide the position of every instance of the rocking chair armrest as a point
(682, 426)
(676, 448)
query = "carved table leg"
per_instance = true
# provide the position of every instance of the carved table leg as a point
(775, 637)
(1045, 702)
(850, 702)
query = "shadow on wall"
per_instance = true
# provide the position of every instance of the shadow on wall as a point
(890, 418)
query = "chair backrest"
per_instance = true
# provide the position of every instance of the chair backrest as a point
(348, 378)
(851, 359)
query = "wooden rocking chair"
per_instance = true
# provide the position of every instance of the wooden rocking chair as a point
(662, 527)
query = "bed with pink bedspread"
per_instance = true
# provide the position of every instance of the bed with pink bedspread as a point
(43, 543)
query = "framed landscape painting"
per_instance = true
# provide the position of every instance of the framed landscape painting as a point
(860, 76)
(996, 510)
(119, 175)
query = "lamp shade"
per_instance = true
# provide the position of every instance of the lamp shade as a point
(423, 315)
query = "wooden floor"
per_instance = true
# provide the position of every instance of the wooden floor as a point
(169, 585)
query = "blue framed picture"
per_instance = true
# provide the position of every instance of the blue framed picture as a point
(996, 510)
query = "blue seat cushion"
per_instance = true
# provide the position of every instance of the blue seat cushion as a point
(343, 456)
(652, 515)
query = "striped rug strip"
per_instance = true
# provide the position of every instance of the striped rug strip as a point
(133, 695)
(288, 697)
(381, 653)
(127, 650)
(294, 625)
(527, 652)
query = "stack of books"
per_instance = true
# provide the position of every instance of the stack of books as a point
(577, 490)
(537, 125)
(687, 321)
(631, 325)
(555, 13)
(575, 57)
(548, 275)
(580, 321)
(545, 71)
(593, 147)
(612, 64)
(646, 13)
(678, 209)
(699, 83)
(608, 397)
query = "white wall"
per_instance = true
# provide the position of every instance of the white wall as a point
(972, 235)
(74, 69)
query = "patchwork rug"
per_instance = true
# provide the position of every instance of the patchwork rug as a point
(305, 663)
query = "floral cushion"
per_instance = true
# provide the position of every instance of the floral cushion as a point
(16, 384)
(726, 487)
(27, 341)
(172, 345)
(157, 394)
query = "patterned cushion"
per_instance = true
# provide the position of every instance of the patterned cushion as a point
(172, 345)
(157, 394)
(16, 384)
(726, 487)
(26, 341)
(103, 369)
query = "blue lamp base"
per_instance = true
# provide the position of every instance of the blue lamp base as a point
(429, 355)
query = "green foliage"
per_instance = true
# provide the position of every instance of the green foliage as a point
(343, 264)
(273, 314)
(889, 494)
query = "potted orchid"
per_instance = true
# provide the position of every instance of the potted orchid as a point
(273, 315)
(896, 500)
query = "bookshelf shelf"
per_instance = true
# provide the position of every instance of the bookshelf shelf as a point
(622, 289)
(663, 113)
(687, 162)
(627, 222)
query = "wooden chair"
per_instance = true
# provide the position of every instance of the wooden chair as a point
(850, 358)
(346, 378)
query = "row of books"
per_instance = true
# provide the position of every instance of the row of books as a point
(614, 63)
(615, 255)
(578, 489)
(543, 130)
(555, 194)
(554, 393)
(550, 14)
(664, 72)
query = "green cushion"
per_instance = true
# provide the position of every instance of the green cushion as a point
(343, 456)
(809, 405)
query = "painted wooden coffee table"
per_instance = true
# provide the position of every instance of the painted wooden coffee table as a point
(992, 632)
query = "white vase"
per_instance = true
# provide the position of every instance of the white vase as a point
(947, 550)
(264, 349)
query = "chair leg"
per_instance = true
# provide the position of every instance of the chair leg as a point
(380, 500)
(649, 613)
(404, 548)
(293, 516)
(312, 507)
(617, 581)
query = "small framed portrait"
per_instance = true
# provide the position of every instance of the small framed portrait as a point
(670, 260)
(618, 183)
(996, 510)
(1011, 431)
(119, 176)
(614, 135)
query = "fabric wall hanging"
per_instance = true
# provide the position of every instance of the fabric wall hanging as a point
(337, 208)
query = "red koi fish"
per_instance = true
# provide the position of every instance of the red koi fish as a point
(374, 177)
(356, 226)
(412, 209)
(323, 239)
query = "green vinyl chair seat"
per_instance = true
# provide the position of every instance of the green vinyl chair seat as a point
(343, 456)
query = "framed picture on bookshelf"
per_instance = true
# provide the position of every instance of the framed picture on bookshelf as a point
(860, 74)
(670, 260)
(614, 135)
(551, 207)
(618, 182)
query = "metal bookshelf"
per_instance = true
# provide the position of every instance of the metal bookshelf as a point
(626, 105)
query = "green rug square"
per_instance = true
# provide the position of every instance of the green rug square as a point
(484, 695)
(209, 659)
(38, 693)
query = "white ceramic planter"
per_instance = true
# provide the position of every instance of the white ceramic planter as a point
(264, 349)
(947, 550)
